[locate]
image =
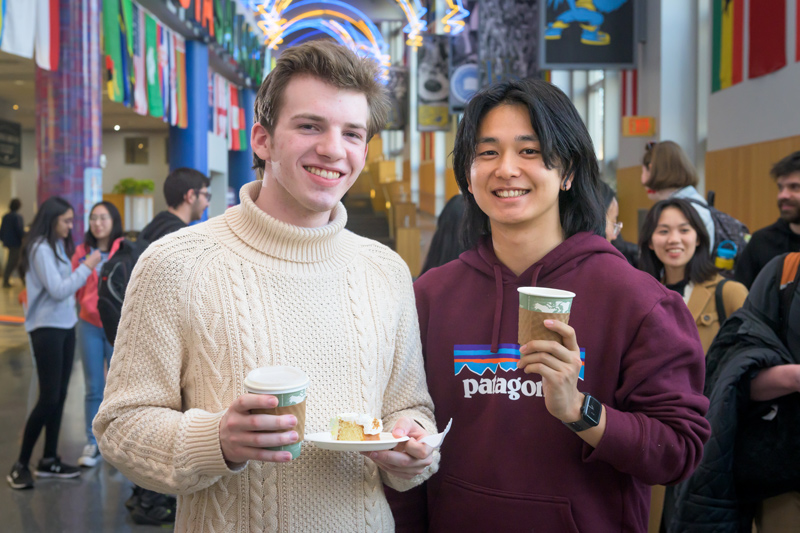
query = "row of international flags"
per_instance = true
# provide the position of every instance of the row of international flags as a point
(31, 27)
(145, 63)
(146, 70)
(750, 39)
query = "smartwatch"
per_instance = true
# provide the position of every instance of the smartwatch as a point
(590, 414)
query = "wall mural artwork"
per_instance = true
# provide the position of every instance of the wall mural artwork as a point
(433, 84)
(464, 72)
(588, 34)
(397, 87)
(508, 33)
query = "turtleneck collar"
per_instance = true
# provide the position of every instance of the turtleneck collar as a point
(267, 235)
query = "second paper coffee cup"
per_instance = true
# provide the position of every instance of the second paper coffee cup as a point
(288, 384)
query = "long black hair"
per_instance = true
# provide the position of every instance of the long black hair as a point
(445, 244)
(43, 229)
(116, 225)
(700, 267)
(564, 142)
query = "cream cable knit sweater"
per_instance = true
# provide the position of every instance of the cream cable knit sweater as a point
(209, 303)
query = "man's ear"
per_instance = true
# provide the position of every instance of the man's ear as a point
(190, 196)
(260, 141)
(366, 152)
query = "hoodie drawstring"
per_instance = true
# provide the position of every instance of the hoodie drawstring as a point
(498, 307)
(535, 275)
(498, 304)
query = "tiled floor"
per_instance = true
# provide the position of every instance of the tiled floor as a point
(92, 503)
(95, 501)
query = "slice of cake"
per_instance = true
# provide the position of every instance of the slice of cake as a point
(355, 426)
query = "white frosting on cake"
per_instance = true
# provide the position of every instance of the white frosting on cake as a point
(365, 421)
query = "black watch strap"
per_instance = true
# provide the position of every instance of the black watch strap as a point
(590, 415)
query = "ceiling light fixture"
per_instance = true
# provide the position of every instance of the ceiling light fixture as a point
(15, 107)
(116, 127)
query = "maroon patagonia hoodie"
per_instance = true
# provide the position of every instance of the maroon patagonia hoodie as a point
(507, 464)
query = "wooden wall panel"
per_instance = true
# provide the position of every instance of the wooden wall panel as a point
(632, 197)
(427, 187)
(450, 185)
(742, 182)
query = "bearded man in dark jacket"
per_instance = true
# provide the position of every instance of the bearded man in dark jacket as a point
(750, 468)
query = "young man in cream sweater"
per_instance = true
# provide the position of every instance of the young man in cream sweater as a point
(276, 280)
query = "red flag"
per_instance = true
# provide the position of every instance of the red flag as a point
(767, 37)
(629, 93)
(797, 32)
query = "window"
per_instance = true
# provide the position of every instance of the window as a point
(136, 151)
(596, 112)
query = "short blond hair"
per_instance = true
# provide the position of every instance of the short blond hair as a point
(331, 63)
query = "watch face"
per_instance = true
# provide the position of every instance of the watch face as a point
(592, 409)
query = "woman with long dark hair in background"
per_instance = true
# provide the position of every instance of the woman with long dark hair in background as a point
(50, 322)
(673, 245)
(104, 235)
(446, 242)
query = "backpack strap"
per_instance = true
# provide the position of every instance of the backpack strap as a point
(787, 278)
(720, 301)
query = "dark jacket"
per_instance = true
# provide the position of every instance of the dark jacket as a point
(162, 224)
(12, 230)
(708, 502)
(506, 461)
(765, 244)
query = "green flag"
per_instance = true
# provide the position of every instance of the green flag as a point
(113, 51)
(151, 67)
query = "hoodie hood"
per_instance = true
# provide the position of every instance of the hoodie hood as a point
(562, 259)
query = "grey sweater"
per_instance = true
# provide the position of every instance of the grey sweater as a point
(51, 285)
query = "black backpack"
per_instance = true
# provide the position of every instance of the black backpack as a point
(114, 277)
(726, 228)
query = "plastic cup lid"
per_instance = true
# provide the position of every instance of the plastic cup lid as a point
(276, 380)
(544, 292)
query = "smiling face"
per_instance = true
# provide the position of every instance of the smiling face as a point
(508, 178)
(316, 152)
(789, 197)
(674, 240)
(63, 224)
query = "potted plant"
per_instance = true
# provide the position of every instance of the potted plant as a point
(138, 202)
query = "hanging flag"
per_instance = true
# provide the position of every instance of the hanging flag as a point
(139, 79)
(156, 105)
(727, 46)
(163, 69)
(126, 23)
(211, 117)
(173, 81)
(48, 36)
(767, 37)
(2, 17)
(233, 114)
(113, 51)
(221, 106)
(243, 130)
(19, 22)
(629, 93)
(180, 81)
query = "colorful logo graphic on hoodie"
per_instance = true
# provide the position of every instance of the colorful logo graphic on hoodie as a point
(478, 358)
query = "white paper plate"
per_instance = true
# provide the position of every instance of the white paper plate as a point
(326, 442)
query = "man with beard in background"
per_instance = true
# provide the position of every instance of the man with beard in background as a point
(784, 235)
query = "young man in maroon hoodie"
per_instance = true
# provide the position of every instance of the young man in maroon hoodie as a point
(561, 438)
